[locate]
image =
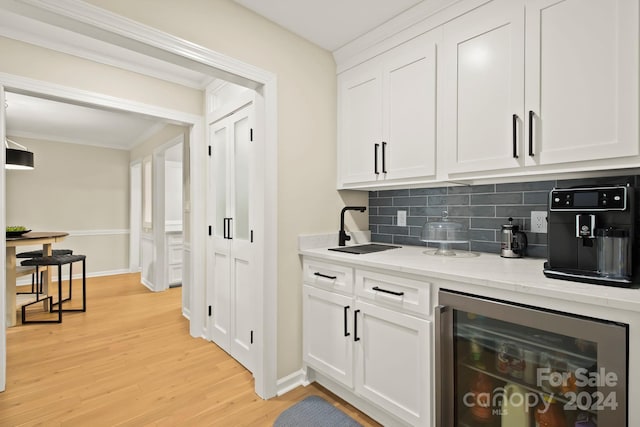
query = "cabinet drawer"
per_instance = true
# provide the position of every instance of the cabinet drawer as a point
(328, 276)
(394, 292)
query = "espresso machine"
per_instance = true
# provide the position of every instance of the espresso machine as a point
(591, 233)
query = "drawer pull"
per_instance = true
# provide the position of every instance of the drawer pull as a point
(386, 291)
(325, 276)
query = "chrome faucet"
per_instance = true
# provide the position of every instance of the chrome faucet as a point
(343, 236)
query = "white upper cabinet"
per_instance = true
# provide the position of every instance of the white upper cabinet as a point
(541, 82)
(582, 79)
(492, 88)
(387, 116)
(483, 56)
(360, 123)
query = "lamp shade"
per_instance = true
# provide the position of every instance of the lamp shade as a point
(18, 159)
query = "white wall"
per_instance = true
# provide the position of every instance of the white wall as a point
(83, 190)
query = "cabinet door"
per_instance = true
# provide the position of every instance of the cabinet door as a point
(242, 251)
(327, 344)
(360, 123)
(232, 254)
(218, 270)
(393, 362)
(409, 110)
(582, 79)
(484, 88)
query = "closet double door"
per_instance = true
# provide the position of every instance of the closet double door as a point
(231, 252)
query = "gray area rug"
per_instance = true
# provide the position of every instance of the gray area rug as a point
(314, 411)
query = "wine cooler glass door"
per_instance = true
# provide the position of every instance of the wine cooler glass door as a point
(506, 365)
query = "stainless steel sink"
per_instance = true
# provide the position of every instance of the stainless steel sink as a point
(363, 249)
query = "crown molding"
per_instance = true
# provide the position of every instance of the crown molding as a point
(413, 22)
(37, 33)
(94, 22)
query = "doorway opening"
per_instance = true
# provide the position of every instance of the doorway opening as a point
(159, 46)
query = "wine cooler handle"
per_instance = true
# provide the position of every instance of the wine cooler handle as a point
(444, 365)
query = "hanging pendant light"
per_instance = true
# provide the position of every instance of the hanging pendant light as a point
(17, 158)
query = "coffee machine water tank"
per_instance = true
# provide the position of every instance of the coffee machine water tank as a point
(614, 252)
(591, 235)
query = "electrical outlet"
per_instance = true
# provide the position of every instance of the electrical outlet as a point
(402, 218)
(539, 221)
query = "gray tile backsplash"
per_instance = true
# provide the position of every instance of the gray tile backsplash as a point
(483, 208)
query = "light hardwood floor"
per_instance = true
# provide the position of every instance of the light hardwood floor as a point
(130, 361)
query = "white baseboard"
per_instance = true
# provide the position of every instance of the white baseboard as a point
(148, 284)
(363, 405)
(288, 383)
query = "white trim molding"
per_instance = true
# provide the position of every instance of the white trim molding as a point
(291, 381)
(106, 232)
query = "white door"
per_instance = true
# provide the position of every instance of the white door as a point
(409, 110)
(360, 115)
(232, 254)
(392, 362)
(483, 58)
(328, 333)
(582, 79)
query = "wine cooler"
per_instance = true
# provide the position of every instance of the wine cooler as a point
(505, 365)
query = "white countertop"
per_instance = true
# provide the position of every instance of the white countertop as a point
(518, 274)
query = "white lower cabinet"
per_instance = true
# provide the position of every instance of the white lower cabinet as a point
(327, 342)
(392, 361)
(379, 352)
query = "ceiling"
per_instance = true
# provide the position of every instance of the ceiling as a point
(50, 120)
(329, 23)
